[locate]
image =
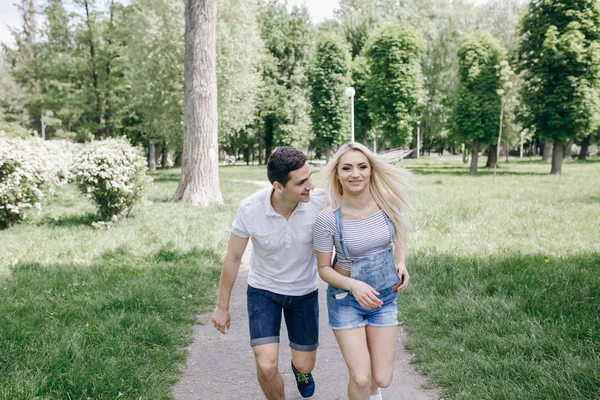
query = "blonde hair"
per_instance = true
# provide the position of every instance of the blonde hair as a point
(386, 183)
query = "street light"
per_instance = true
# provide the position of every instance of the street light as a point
(418, 140)
(350, 92)
(48, 113)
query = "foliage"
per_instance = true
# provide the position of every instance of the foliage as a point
(477, 111)
(328, 78)
(283, 107)
(559, 56)
(111, 173)
(240, 53)
(30, 171)
(155, 53)
(395, 84)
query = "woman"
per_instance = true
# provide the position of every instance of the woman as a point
(366, 227)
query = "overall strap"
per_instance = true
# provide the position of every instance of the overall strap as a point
(391, 226)
(339, 223)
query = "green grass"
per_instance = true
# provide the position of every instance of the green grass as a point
(503, 303)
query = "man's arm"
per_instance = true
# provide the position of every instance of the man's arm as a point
(235, 250)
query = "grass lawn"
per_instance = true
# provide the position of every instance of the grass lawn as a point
(503, 304)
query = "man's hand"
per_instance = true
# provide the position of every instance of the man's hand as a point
(221, 319)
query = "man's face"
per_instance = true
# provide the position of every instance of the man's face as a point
(299, 186)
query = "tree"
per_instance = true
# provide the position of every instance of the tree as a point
(477, 111)
(156, 54)
(328, 78)
(199, 182)
(25, 60)
(559, 56)
(283, 112)
(12, 96)
(395, 83)
(240, 52)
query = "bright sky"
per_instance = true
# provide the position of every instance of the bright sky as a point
(319, 11)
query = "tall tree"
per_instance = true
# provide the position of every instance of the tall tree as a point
(395, 83)
(156, 56)
(559, 56)
(240, 53)
(328, 78)
(199, 182)
(283, 106)
(24, 60)
(477, 111)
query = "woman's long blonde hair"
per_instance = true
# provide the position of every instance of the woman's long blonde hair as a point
(386, 183)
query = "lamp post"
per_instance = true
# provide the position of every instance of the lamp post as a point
(48, 113)
(350, 92)
(418, 140)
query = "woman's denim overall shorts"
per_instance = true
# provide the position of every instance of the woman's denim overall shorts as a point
(379, 271)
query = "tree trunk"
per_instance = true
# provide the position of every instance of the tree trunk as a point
(584, 147)
(164, 157)
(269, 134)
(107, 106)
(199, 182)
(93, 69)
(177, 159)
(492, 159)
(557, 157)
(567, 150)
(474, 156)
(152, 156)
(547, 152)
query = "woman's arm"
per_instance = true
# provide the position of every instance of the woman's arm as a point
(400, 250)
(364, 294)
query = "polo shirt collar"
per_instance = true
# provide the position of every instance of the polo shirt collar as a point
(270, 211)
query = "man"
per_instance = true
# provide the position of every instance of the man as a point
(283, 274)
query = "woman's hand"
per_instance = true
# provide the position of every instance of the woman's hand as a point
(365, 295)
(404, 278)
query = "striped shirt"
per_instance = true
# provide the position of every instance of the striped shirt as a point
(363, 237)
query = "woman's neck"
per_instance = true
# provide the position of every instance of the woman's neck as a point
(357, 201)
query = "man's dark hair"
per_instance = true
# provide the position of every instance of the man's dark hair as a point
(283, 161)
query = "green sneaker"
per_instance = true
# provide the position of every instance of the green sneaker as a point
(305, 383)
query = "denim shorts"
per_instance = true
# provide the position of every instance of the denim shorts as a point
(301, 315)
(379, 271)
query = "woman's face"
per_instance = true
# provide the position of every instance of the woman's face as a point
(354, 171)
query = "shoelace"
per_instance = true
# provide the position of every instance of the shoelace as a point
(301, 377)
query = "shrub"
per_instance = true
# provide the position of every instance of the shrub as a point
(112, 173)
(25, 179)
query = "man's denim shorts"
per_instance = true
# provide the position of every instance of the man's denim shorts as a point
(345, 312)
(301, 318)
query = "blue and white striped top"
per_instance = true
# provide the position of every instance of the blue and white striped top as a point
(363, 237)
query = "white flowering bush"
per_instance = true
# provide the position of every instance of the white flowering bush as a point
(112, 173)
(26, 179)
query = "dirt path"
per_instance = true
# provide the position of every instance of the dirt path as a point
(221, 367)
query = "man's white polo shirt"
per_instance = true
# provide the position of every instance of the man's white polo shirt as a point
(283, 258)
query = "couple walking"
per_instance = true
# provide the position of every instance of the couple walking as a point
(294, 226)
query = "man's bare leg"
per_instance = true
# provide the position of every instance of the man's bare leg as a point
(267, 370)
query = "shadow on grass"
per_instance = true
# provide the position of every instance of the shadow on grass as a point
(106, 330)
(419, 170)
(511, 326)
(165, 176)
(69, 221)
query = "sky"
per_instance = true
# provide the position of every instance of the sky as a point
(319, 11)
